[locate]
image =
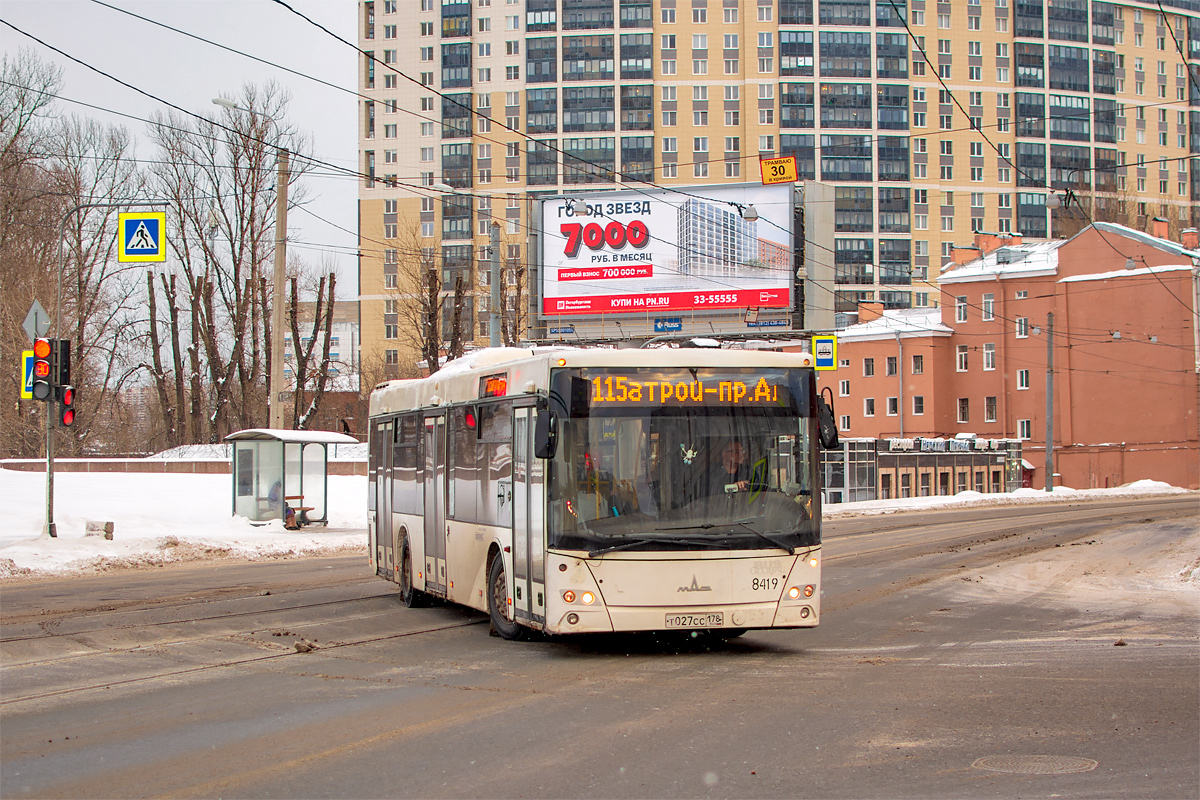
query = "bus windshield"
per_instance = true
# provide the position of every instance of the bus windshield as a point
(683, 459)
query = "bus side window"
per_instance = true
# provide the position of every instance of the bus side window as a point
(407, 497)
(495, 464)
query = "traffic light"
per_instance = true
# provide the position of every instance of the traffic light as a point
(43, 351)
(62, 361)
(66, 407)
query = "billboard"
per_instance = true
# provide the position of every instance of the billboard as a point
(655, 251)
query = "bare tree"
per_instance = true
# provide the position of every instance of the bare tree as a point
(219, 176)
(56, 175)
(311, 376)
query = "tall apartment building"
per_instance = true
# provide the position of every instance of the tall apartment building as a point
(933, 121)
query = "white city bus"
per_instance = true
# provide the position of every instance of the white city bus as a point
(587, 490)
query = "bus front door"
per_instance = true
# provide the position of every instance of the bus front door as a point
(529, 553)
(435, 504)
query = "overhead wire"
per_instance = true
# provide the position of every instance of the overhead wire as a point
(354, 175)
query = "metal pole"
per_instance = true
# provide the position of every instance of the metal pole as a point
(900, 380)
(51, 528)
(494, 326)
(275, 401)
(1049, 402)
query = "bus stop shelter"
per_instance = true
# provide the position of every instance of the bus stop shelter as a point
(280, 471)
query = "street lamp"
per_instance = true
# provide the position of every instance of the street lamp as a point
(275, 399)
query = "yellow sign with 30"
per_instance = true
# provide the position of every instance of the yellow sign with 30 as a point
(778, 170)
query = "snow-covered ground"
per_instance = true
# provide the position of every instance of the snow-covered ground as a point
(163, 518)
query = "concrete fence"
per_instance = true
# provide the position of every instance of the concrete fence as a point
(151, 465)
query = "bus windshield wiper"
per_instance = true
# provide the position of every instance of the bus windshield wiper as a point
(744, 523)
(791, 551)
(650, 540)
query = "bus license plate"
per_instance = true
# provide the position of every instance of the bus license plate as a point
(714, 619)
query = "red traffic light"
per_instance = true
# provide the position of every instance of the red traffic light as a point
(66, 407)
(41, 348)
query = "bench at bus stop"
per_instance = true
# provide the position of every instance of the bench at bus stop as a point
(300, 510)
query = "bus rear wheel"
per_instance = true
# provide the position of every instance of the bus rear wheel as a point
(498, 605)
(412, 597)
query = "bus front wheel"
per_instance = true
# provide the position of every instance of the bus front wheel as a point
(498, 606)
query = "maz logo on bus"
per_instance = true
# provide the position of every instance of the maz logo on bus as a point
(615, 235)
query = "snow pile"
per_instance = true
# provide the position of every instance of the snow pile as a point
(970, 498)
(161, 518)
(158, 518)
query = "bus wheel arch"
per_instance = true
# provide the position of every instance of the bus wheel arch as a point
(499, 608)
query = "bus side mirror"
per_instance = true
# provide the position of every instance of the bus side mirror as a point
(545, 434)
(826, 425)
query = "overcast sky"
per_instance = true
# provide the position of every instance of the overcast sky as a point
(189, 74)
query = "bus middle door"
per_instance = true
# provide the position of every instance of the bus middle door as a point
(529, 552)
(435, 504)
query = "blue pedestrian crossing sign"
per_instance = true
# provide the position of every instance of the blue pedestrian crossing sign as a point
(141, 236)
(824, 349)
(27, 372)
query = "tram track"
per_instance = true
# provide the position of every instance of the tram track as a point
(53, 634)
(167, 674)
(989, 539)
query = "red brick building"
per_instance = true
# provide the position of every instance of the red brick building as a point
(1126, 356)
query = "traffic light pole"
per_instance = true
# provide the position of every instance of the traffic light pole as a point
(51, 529)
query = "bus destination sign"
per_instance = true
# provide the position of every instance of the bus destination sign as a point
(684, 390)
(493, 385)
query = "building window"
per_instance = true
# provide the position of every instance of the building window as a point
(844, 422)
(868, 367)
(893, 406)
(890, 366)
(918, 364)
(964, 409)
(1022, 327)
(844, 389)
(961, 357)
(1022, 379)
(960, 309)
(1025, 429)
(989, 409)
(989, 356)
(869, 407)
(918, 405)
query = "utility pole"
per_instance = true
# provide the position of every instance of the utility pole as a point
(900, 381)
(275, 402)
(51, 528)
(1049, 402)
(494, 321)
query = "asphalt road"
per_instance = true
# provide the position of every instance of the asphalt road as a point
(931, 672)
